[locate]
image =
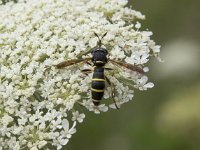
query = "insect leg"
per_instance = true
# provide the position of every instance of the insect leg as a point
(86, 71)
(89, 63)
(108, 68)
(113, 91)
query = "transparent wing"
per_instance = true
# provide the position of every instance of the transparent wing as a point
(71, 62)
(127, 65)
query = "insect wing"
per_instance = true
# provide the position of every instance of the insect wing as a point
(71, 62)
(128, 66)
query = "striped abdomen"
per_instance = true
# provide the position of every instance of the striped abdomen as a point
(98, 85)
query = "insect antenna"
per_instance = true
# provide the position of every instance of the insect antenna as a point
(104, 35)
(99, 42)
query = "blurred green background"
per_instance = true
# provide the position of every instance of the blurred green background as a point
(166, 117)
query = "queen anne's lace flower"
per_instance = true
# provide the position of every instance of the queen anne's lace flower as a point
(40, 104)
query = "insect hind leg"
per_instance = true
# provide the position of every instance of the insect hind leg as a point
(112, 91)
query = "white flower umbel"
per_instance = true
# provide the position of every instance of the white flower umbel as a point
(40, 105)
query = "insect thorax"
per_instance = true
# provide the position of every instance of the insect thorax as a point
(99, 56)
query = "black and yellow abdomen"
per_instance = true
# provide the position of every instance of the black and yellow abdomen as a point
(98, 85)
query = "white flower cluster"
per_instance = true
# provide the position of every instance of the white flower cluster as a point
(40, 104)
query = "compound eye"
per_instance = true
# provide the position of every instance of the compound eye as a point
(93, 50)
(105, 51)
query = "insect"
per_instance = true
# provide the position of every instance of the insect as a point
(99, 59)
